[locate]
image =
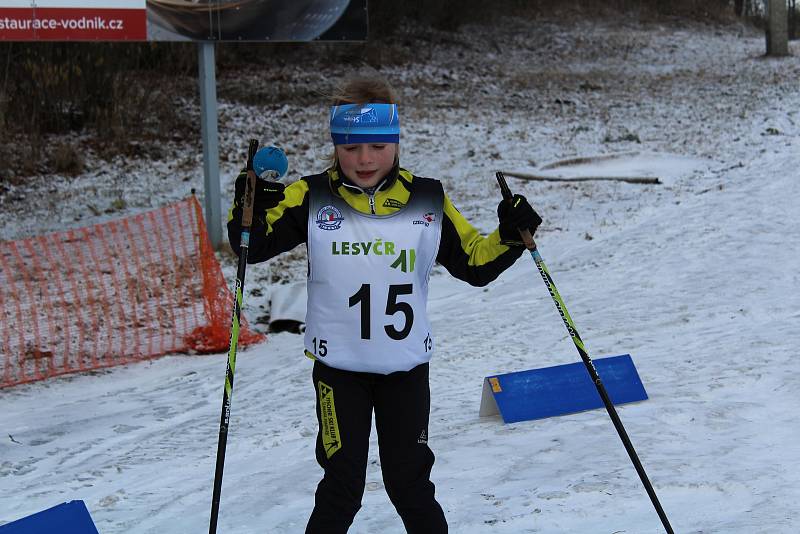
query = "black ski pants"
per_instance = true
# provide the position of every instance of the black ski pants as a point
(345, 402)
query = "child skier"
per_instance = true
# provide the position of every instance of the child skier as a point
(373, 232)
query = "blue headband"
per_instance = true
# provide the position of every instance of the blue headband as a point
(365, 123)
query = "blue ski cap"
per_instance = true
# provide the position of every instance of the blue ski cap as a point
(272, 160)
(365, 123)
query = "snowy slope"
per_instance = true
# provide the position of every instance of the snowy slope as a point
(697, 279)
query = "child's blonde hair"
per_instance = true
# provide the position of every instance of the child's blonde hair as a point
(362, 89)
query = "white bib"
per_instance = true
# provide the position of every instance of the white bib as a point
(368, 280)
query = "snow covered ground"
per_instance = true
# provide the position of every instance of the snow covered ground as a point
(697, 279)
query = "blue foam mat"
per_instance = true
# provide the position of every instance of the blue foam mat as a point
(562, 389)
(67, 518)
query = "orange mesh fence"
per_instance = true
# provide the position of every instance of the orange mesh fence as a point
(113, 293)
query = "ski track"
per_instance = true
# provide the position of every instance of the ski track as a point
(696, 279)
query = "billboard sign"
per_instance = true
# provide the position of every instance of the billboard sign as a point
(182, 20)
(73, 20)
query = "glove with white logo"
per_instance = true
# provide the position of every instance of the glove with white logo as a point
(267, 195)
(515, 215)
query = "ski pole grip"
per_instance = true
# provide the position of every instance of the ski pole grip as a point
(250, 188)
(527, 238)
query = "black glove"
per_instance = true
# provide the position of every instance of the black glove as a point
(514, 215)
(267, 195)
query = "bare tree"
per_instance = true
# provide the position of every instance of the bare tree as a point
(777, 28)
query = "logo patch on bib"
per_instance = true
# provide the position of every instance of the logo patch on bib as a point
(426, 219)
(329, 218)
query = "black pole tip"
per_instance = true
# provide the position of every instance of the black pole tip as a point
(504, 189)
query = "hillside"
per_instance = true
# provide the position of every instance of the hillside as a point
(696, 278)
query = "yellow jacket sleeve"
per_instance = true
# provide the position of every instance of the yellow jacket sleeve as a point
(468, 255)
(278, 230)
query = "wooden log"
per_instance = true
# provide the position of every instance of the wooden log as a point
(589, 159)
(627, 179)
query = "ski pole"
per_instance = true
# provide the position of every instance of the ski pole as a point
(530, 244)
(247, 220)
